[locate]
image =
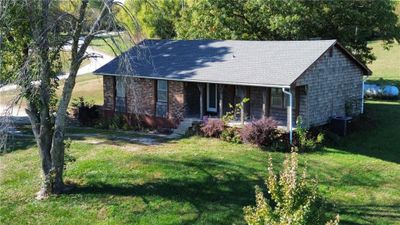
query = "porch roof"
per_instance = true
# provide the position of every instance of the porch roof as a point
(254, 63)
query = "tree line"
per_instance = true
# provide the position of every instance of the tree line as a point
(352, 23)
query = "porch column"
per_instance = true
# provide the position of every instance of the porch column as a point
(289, 113)
(264, 103)
(242, 113)
(220, 102)
(266, 93)
(201, 91)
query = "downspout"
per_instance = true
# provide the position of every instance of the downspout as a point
(362, 94)
(290, 114)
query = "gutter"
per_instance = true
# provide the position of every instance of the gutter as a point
(290, 114)
(362, 94)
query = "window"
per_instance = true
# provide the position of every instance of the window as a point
(162, 98)
(212, 97)
(120, 94)
(162, 91)
(276, 98)
(280, 99)
(286, 100)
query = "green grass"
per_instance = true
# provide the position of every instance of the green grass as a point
(112, 45)
(89, 86)
(66, 61)
(202, 181)
(387, 63)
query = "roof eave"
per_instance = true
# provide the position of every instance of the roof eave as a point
(198, 81)
(367, 71)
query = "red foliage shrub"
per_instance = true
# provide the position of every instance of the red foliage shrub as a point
(260, 132)
(212, 127)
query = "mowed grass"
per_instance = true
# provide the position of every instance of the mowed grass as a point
(112, 45)
(203, 181)
(88, 86)
(66, 61)
(387, 63)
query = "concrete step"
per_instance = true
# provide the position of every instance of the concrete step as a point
(182, 128)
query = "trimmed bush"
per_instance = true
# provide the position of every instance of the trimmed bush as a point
(212, 128)
(260, 132)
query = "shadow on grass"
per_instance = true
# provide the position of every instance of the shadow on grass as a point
(18, 143)
(369, 212)
(25, 139)
(216, 198)
(382, 140)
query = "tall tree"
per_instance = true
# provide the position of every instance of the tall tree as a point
(157, 18)
(48, 26)
(353, 23)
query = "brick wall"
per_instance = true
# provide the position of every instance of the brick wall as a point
(176, 104)
(140, 96)
(109, 93)
(332, 81)
(141, 100)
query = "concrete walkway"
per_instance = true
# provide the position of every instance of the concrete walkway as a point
(145, 140)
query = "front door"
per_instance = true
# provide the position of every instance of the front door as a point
(211, 97)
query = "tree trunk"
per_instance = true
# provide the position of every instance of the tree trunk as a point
(57, 146)
(49, 135)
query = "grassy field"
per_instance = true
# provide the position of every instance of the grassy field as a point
(66, 60)
(89, 86)
(202, 181)
(109, 45)
(387, 63)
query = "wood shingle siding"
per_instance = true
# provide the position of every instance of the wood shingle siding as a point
(331, 82)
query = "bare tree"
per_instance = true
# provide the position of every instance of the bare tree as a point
(50, 29)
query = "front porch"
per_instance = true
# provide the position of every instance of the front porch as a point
(214, 100)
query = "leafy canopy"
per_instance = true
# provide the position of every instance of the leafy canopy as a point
(352, 23)
(157, 18)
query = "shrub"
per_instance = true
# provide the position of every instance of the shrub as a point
(212, 128)
(231, 134)
(282, 142)
(305, 140)
(118, 121)
(86, 112)
(235, 111)
(293, 198)
(260, 132)
(195, 129)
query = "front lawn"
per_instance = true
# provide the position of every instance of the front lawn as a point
(202, 181)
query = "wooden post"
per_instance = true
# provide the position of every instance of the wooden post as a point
(242, 113)
(220, 102)
(201, 91)
(264, 103)
(297, 102)
(268, 101)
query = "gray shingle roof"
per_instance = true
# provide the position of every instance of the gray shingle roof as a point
(262, 63)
